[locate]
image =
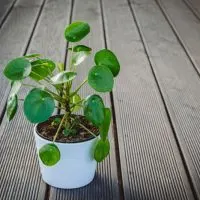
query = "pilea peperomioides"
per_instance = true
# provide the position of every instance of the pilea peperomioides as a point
(51, 88)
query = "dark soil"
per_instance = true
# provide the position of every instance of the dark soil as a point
(47, 131)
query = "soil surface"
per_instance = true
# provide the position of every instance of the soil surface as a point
(47, 131)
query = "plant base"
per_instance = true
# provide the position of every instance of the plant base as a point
(76, 167)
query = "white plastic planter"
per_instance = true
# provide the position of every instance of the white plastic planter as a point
(76, 167)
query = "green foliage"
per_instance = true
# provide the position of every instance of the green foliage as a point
(53, 81)
(63, 77)
(17, 69)
(41, 69)
(76, 31)
(94, 109)
(101, 79)
(80, 48)
(102, 150)
(79, 57)
(69, 132)
(75, 100)
(12, 105)
(107, 58)
(104, 128)
(56, 121)
(49, 154)
(38, 106)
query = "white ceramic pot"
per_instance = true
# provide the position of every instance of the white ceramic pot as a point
(76, 167)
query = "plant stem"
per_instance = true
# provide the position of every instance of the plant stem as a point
(81, 125)
(71, 58)
(29, 85)
(78, 88)
(59, 128)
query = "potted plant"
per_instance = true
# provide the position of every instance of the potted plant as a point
(69, 145)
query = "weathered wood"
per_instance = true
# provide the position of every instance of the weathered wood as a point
(150, 160)
(19, 169)
(194, 5)
(177, 79)
(5, 9)
(185, 25)
(14, 38)
(105, 183)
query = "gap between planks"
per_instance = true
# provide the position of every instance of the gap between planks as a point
(192, 184)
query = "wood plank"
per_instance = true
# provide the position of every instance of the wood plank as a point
(151, 164)
(177, 79)
(194, 5)
(5, 9)
(19, 169)
(14, 38)
(185, 25)
(105, 184)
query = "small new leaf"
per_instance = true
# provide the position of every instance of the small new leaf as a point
(102, 149)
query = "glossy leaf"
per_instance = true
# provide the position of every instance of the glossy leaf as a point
(41, 69)
(38, 106)
(94, 109)
(79, 57)
(101, 79)
(79, 48)
(15, 86)
(60, 67)
(49, 154)
(102, 149)
(107, 58)
(32, 56)
(63, 77)
(74, 100)
(76, 31)
(17, 69)
(104, 128)
(12, 105)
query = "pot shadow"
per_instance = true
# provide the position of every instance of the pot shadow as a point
(101, 188)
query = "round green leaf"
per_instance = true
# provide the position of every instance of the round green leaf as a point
(49, 154)
(102, 149)
(63, 77)
(38, 106)
(17, 69)
(79, 48)
(76, 31)
(74, 100)
(101, 79)
(42, 68)
(107, 58)
(12, 105)
(94, 109)
(104, 128)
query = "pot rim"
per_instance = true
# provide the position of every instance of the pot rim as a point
(73, 142)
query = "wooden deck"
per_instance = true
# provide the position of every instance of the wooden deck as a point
(155, 135)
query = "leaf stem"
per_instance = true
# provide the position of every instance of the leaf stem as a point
(81, 125)
(78, 88)
(59, 128)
